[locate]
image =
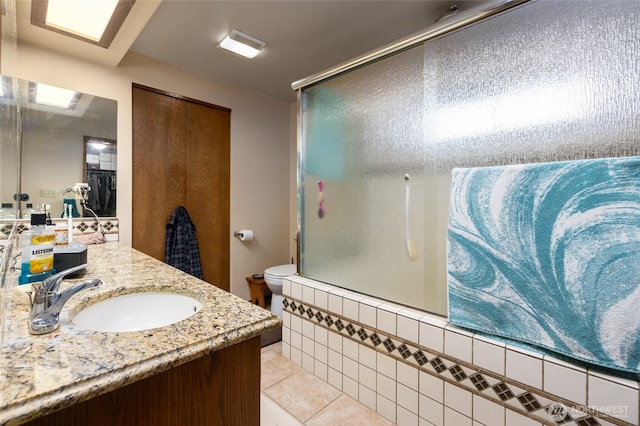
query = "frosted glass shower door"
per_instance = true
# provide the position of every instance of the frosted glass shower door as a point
(542, 82)
(364, 177)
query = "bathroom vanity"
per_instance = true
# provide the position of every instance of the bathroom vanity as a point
(202, 370)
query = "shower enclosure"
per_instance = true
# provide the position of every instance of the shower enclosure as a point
(540, 81)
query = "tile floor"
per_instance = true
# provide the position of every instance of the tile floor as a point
(292, 396)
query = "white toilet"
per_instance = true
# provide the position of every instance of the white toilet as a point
(273, 278)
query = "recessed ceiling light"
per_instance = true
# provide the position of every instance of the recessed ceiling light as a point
(242, 44)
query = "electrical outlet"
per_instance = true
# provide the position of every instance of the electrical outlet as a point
(48, 193)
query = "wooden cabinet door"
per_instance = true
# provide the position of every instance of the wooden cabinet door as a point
(181, 157)
(159, 167)
(207, 191)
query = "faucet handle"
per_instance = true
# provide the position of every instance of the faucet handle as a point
(52, 283)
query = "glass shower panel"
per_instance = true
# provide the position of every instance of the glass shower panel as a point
(363, 174)
(545, 81)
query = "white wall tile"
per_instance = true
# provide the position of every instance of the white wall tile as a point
(296, 356)
(367, 376)
(407, 398)
(386, 320)
(524, 368)
(296, 340)
(367, 356)
(308, 329)
(350, 368)
(458, 399)
(321, 299)
(334, 378)
(406, 418)
(335, 304)
(308, 295)
(367, 315)
(308, 363)
(488, 413)
(386, 408)
(432, 411)
(350, 348)
(296, 324)
(565, 382)
(286, 287)
(408, 375)
(320, 352)
(367, 397)
(350, 308)
(432, 387)
(286, 335)
(321, 335)
(458, 345)
(431, 336)
(350, 387)
(513, 418)
(308, 346)
(386, 387)
(334, 359)
(386, 365)
(407, 327)
(320, 370)
(335, 341)
(452, 417)
(489, 356)
(286, 319)
(296, 290)
(286, 350)
(618, 400)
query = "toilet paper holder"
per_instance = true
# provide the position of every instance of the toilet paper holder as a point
(244, 234)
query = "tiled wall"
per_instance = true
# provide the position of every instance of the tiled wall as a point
(415, 369)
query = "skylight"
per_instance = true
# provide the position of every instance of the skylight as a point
(54, 96)
(86, 18)
(93, 21)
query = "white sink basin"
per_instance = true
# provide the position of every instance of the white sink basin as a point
(137, 311)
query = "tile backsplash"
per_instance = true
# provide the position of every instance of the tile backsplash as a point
(416, 369)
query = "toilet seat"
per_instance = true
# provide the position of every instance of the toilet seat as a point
(280, 271)
(273, 277)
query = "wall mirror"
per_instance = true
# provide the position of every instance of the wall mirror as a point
(66, 138)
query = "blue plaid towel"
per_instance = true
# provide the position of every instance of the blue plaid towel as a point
(181, 245)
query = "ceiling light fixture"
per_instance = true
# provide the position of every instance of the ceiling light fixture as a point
(242, 44)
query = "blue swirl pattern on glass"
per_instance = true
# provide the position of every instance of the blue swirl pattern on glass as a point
(549, 254)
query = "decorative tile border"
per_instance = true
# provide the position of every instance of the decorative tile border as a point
(83, 225)
(531, 402)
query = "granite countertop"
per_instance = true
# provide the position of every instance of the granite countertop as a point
(41, 374)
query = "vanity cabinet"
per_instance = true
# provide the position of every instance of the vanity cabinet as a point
(181, 157)
(221, 388)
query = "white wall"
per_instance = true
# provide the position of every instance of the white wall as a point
(260, 144)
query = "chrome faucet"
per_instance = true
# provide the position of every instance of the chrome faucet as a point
(46, 302)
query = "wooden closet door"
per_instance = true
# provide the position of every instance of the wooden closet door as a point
(207, 189)
(159, 167)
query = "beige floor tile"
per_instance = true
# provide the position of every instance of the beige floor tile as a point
(274, 368)
(271, 414)
(346, 411)
(303, 394)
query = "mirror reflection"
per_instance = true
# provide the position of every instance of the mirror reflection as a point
(67, 138)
